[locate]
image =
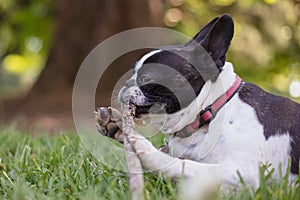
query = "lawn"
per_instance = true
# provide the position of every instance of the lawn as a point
(59, 167)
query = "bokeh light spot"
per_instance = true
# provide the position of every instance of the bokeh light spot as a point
(294, 89)
(270, 1)
(286, 32)
(176, 2)
(173, 16)
(33, 44)
(15, 64)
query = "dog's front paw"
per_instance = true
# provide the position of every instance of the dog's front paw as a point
(151, 158)
(141, 145)
(109, 123)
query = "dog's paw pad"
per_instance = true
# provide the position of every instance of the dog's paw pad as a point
(109, 122)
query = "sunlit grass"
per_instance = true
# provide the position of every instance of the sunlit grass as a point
(59, 167)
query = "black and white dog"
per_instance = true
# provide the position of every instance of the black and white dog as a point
(228, 127)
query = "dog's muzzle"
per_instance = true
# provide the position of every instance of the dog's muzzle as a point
(143, 104)
(133, 95)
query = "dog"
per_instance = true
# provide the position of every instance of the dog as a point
(214, 122)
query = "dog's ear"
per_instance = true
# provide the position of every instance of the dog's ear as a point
(217, 40)
(203, 32)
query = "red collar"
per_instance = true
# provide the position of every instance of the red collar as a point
(209, 113)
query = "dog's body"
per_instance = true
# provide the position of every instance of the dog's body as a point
(251, 129)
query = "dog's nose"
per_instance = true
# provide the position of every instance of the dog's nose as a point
(124, 95)
(129, 83)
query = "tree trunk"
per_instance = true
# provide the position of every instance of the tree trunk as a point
(79, 26)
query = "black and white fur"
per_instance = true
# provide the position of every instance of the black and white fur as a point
(252, 129)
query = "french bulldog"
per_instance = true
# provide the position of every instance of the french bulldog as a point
(214, 122)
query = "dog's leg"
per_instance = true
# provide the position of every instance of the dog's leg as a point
(156, 161)
(198, 180)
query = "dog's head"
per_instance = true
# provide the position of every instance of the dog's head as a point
(172, 77)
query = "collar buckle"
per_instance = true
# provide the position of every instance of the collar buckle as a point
(206, 115)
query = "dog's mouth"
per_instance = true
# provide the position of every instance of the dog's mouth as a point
(151, 101)
(148, 107)
(142, 110)
(158, 105)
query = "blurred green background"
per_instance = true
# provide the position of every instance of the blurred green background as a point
(265, 48)
(25, 33)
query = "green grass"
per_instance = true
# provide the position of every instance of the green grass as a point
(59, 167)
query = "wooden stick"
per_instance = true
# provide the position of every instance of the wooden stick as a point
(136, 181)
